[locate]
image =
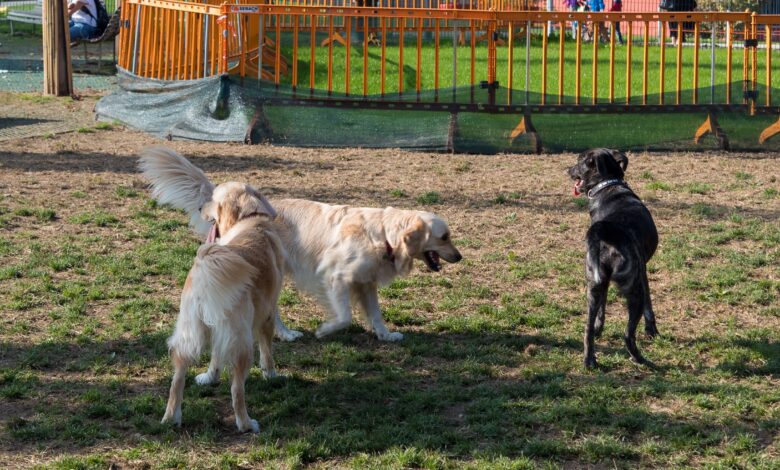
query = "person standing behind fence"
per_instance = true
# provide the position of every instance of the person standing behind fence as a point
(83, 19)
(617, 7)
(675, 6)
(596, 6)
(572, 5)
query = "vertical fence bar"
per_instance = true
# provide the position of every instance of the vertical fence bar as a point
(455, 34)
(754, 62)
(595, 70)
(560, 62)
(180, 61)
(136, 40)
(729, 58)
(678, 90)
(384, 54)
(401, 24)
(613, 28)
(278, 57)
(713, 26)
(645, 66)
(312, 46)
(295, 19)
(365, 56)
(527, 60)
(436, 38)
(629, 41)
(662, 64)
(768, 34)
(473, 56)
(419, 57)
(153, 48)
(330, 54)
(510, 56)
(578, 63)
(214, 46)
(348, 64)
(545, 27)
(696, 46)
(146, 26)
(745, 65)
(260, 46)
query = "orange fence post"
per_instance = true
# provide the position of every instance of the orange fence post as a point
(678, 96)
(695, 63)
(662, 64)
(595, 70)
(645, 58)
(560, 63)
(613, 26)
(544, 60)
(578, 64)
(629, 41)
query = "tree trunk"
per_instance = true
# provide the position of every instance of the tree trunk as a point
(57, 69)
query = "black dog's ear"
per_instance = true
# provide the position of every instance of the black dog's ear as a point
(621, 159)
(606, 164)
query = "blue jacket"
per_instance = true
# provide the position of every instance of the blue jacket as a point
(596, 5)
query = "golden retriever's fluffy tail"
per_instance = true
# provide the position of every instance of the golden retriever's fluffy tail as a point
(219, 291)
(177, 182)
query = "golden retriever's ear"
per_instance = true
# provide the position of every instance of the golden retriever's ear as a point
(269, 209)
(414, 237)
(248, 205)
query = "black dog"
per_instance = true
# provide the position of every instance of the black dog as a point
(621, 240)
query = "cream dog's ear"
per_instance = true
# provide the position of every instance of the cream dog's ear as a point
(249, 204)
(412, 241)
(269, 209)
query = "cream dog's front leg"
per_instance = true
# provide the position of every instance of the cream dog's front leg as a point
(369, 302)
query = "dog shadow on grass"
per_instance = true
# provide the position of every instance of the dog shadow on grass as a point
(487, 393)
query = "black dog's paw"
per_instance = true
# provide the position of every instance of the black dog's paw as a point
(642, 361)
(651, 332)
(590, 363)
(597, 330)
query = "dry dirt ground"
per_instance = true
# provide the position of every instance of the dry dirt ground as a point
(492, 358)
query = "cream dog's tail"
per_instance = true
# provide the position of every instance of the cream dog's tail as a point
(220, 291)
(177, 182)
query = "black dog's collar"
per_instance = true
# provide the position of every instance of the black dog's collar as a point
(604, 184)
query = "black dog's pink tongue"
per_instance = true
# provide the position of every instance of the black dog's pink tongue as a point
(576, 191)
(212, 234)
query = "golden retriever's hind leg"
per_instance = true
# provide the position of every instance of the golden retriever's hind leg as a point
(176, 394)
(211, 376)
(241, 365)
(281, 330)
(265, 346)
(369, 302)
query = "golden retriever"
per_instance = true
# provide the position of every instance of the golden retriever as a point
(339, 254)
(231, 292)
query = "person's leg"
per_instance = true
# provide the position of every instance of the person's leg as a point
(81, 31)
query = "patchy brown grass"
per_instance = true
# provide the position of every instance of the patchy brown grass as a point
(489, 373)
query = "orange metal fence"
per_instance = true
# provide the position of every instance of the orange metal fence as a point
(175, 40)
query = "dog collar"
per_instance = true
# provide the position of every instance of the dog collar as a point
(604, 184)
(389, 256)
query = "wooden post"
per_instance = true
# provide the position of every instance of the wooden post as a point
(57, 69)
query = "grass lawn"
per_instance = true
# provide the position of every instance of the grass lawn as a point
(463, 70)
(489, 374)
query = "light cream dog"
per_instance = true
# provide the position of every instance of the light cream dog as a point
(339, 254)
(230, 296)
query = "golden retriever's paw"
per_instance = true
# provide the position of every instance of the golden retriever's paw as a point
(287, 335)
(249, 426)
(206, 379)
(173, 418)
(393, 337)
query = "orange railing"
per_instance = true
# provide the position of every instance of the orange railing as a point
(176, 40)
